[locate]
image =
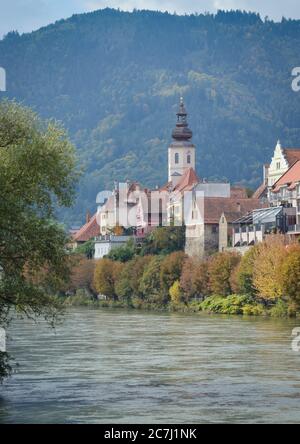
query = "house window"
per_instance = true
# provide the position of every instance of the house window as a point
(188, 159)
(176, 158)
(278, 165)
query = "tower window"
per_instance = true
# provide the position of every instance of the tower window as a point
(188, 159)
(176, 158)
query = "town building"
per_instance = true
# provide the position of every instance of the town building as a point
(104, 244)
(207, 209)
(87, 232)
(255, 226)
(282, 160)
(286, 193)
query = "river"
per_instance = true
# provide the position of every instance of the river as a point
(114, 366)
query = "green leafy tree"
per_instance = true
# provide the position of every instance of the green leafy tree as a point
(37, 175)
(164, 240)
(128, 282)
(150, 281)
(87, 248)
(124, 253)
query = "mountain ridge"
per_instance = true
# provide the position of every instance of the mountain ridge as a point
(114, 79)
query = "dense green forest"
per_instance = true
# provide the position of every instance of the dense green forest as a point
(114, 79)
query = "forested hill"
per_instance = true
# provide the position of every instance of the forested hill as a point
(114, 79)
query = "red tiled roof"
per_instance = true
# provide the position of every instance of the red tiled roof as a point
(238, 193)
(260, 191)
(187, 181)
(214, 207)
(88, 230)
(292, 155)
(290, 178)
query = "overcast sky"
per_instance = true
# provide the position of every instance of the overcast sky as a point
(27, 15)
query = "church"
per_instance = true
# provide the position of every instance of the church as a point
(212, 207)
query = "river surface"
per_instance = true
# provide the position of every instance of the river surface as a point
(111, 366)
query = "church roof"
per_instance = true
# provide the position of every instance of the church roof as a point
(88, 230)
(188, 180)
(182, 131)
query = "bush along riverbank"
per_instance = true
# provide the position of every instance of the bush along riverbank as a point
(226, 305)
(263, 282)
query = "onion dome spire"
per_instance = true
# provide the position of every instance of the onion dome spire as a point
(182, 130)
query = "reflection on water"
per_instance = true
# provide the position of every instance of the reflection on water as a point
(108, 366)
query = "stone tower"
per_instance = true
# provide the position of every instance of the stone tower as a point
(182, 152)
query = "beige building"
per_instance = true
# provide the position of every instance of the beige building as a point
(211, 229)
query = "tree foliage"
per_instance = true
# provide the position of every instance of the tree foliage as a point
(194, 279)
(291, 276)
(37, 175)
(267, 277)
(105, 277)
(221, 266)
(164, 240)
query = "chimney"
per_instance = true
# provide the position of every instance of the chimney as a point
(88, 216)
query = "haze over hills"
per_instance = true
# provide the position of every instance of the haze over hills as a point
(114, 79)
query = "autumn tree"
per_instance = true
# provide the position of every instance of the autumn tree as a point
(149, 285)
(242, 276)
(194, 280)
(170, 272)
(290, 275)
(267, 278)
(105, 277)
(128, 281)
(220, 268)
(82, 274)
(176, 293)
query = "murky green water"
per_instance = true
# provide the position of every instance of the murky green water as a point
(106, 366)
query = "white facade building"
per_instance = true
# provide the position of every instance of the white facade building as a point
(104, 244)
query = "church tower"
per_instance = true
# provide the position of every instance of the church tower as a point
(182, 152)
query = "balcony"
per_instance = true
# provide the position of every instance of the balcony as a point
(294, 229)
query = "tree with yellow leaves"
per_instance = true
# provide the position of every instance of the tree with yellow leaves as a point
(291, 276)
(267, 271)
(175, 293)
(105, 276)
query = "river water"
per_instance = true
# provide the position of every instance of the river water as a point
(114, 366)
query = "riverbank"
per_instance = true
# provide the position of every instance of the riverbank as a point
(229, 305)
